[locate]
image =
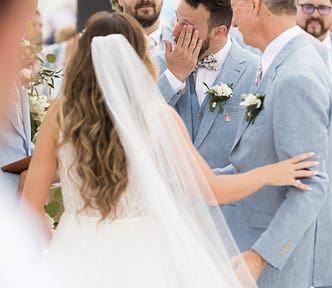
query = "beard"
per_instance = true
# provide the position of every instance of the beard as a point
(313, 32)
(145, 19)
(204, 48)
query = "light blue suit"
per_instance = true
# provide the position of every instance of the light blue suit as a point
(212, 135)
(290, 228)
(15, 140)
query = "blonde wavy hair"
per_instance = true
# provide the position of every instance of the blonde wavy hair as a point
(85, 123)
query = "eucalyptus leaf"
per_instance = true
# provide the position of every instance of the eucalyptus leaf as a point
(53, 208)
(51, 58)
(58, 193)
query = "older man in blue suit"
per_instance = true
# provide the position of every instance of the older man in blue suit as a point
(286, 234)
(201, 33)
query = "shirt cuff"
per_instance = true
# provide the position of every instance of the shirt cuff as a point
(175, 83)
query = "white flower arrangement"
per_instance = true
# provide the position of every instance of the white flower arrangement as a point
(36, 73)
(219, 94)
(254, 104)
(38, 108)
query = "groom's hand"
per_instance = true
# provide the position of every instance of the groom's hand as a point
(182, 60)
(255, 263)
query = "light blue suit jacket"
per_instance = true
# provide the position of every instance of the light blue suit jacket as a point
(215, 136)
(15, 140)
(290, 228)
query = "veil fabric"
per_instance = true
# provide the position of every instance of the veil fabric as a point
(174, 187)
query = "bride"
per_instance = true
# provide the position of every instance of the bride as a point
(136, 192)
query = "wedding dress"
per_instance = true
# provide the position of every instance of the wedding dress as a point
(163, 234)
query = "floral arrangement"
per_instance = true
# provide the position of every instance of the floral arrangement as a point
(38, 79)
(254, 104)
(219, 94)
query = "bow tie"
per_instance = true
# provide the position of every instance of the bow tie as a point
(209, 62)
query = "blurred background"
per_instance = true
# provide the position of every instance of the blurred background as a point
(67, 14)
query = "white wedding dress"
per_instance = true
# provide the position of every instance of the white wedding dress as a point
(124, 252)
(163, 235)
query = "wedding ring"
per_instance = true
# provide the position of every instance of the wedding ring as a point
(298, 181)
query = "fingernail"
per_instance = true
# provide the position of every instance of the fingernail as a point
(316, 162)
(312, 153)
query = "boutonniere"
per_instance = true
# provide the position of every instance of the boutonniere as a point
(254, 104)
(219, 94)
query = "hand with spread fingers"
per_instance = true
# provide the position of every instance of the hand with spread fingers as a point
(181, 60)
(289, 171)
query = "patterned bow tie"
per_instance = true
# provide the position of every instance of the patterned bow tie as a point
(208, 62)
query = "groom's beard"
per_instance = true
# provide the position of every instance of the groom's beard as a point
(204, 48)
(145, 18)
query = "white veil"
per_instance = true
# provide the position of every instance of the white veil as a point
(170, 178)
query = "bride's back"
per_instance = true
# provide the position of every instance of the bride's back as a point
(94, 172)
(131, 203)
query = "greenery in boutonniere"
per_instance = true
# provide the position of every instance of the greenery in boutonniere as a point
(254, 104)
(219, 94)
(37, 76)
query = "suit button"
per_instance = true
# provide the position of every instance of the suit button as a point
(200, 115)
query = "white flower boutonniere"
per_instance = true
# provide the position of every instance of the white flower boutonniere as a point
(254, 104)
(219, 94)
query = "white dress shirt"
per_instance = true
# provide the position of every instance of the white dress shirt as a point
(156, 44)
(328, 44)
(273, 49)
(202, 74)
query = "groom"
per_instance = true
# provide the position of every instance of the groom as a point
(221, 61)
(286, 234)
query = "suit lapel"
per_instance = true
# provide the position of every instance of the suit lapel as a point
(231, 73)
(271, 74)
(26, 115)
(12, 114)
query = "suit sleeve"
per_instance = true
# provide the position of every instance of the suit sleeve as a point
(301, 119)
(228, 170)
(171, 92)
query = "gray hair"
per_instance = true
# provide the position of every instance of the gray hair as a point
(281, 7)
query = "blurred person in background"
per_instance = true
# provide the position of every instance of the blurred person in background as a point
(65, 33)
(18, 262)
(147, 13)
(315, 17)
(36, 28)
(15, 133)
